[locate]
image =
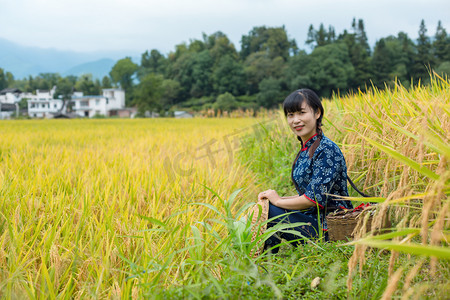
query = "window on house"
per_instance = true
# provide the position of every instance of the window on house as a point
(97, 102)
(54, 105)
(43, 105)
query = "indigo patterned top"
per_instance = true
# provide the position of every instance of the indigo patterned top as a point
(321, 177)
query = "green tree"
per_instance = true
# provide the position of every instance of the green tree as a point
(330, 69)
(202, 75)
(393, 60)
(170, 93)
(361, 36)
(441, 45)
(320, 37)
(331, 35)
(122, 73)
(296, 74)
(228, 76)
(269, 94)
(180, 50)
(46, 81)
(359, 53)
(23, 103)
(3, 80)
(28, 84)
(97, 87)
(148, 93)
(10, 79)
(86, 85)
(180, 69)
(225, 102)
(423, 58)
(72, 78)
(444, 69)
(106, 82)
(273, 41)
(64, 90)
(311, 37)
(196, 46)
(407, 55)
(219, 46)
(153, 62)
(258, 66)
(381, 63)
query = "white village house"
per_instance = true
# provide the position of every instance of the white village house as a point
(42, 105)
(109, 104)
(10, 96)
(181, 114)
(9, 102)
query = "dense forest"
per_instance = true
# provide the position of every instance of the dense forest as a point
(211, 73)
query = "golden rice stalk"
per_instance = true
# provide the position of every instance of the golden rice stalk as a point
(392, 285)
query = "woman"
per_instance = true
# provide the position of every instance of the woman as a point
(319, 173)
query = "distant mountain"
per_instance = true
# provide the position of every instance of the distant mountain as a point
(22, 61)
(98, 68)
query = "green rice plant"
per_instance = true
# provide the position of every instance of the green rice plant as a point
(215, 259)
(396, 145)
(399, 138)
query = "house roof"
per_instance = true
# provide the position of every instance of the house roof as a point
(112, 90)
(89, 97)
(10, 90)
(8, 107)
(180, 112)
(61, 116)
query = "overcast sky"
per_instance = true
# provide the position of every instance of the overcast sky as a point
(138, 25)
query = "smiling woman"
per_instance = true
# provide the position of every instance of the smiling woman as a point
(303, 122)
(319, 174)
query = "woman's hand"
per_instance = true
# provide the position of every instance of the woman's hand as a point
(271, 195)
(292, 202)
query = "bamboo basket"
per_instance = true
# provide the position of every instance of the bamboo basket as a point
(341, 224)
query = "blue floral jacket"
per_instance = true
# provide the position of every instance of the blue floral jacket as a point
(321, 177)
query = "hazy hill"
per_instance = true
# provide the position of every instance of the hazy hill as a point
(22, 61)
(98, 68)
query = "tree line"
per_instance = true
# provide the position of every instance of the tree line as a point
(211, 73)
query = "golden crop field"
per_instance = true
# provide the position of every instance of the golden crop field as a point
(397, 145)
(78, 197)
(115, 209)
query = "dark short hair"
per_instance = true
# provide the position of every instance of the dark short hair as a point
(294, 101)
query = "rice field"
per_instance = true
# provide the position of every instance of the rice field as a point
(397, 146)
(116, 209)
(80, 198)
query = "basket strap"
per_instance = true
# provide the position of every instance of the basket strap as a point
(356, 189)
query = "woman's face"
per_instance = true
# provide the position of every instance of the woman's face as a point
(303, 122)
